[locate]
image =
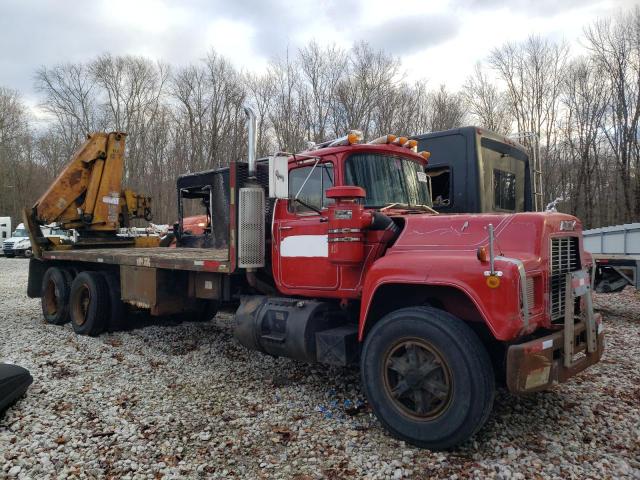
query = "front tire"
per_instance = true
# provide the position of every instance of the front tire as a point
(89, 304)
(427, 377)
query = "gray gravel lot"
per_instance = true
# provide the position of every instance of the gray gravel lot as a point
(176, 401)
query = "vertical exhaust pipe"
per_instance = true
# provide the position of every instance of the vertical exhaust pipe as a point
(251, 208)
(253, 135)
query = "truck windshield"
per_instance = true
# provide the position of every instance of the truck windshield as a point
(20, 233)
(388, 179)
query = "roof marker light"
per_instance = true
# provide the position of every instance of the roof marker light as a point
(400, 141)
(383, 139)
(354, 136)
(424, 154)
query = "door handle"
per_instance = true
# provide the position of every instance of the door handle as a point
(324, 220)
(285, 228)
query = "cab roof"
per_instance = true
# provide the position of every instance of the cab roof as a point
(386, 148)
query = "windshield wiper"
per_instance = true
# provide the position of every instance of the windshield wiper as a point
(391, 205)
(424, 208)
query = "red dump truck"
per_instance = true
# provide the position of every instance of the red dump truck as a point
(334, 255)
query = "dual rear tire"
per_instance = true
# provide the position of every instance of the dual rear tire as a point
(89, 304)
(54, 297)
(89, 300)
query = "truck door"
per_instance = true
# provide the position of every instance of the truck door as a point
(301, 230)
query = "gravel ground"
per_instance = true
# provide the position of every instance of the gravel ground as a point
(185, 401)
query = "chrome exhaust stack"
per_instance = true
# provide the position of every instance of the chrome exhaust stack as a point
(253, 140)
(251, 208)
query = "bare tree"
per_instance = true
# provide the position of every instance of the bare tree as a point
(533, 73)
(486, 104)
(370, 76)
(70, 97)
(322, 70)
(615, 46)
(446, 110)
(261, 92)
(584, 97)
(287, 108)
(132, 89)
(21, 176)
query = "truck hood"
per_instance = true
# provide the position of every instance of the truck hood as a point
(16, 239)
(520, 235)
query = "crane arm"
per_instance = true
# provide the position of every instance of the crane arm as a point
(88, 195)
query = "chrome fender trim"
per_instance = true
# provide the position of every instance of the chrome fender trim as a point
(523, 287)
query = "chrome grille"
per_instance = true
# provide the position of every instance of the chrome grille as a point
(564, 258)
(8, 245)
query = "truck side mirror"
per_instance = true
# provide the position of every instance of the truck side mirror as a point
(279, 177)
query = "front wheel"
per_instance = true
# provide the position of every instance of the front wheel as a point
(427, 377)
(28, 253)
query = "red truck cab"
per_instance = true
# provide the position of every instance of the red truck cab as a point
(428, 288)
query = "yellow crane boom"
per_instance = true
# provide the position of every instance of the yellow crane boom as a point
(87, 195)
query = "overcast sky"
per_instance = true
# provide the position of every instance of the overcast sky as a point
(437, 40)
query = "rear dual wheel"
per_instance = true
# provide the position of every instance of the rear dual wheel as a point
(427, 377)
(89, 303)
(56, 288)
(91, 300)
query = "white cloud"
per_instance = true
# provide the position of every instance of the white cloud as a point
(233, 39)
(438, 40)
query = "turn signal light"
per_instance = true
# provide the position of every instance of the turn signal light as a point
(493, 281)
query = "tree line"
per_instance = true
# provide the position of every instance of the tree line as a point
(583, 107)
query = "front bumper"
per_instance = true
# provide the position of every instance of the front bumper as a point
(539, 364)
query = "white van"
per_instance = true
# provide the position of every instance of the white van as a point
(18, 243)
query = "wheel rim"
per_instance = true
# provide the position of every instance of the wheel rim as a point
(417, 379)
(50, 299)
(81, 307)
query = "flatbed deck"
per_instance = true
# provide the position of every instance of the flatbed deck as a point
(196, 259)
